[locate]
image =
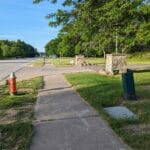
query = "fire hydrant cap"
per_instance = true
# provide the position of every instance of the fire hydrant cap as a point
(12, 75)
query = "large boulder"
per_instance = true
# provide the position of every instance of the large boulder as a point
(79, 60)
(115, 63)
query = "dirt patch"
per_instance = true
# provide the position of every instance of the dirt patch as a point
(138, 129)
(25, 90)
(8, 116)
(25, 114)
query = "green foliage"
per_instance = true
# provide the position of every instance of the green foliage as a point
(16, 49)
(52, 47)
(90, 27)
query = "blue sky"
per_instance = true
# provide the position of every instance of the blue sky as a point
(21, 19)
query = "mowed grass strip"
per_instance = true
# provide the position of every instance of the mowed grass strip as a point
(16, 114)
(95, 61)
(139, 58)
(61, 62)
(104, 91)
(66, 61)
(135, 58)
(38, 63)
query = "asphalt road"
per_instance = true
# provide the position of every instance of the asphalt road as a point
(8, 66)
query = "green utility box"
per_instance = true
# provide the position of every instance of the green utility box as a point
(128, 85)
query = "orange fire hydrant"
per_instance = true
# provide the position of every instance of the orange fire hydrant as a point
(12, 84)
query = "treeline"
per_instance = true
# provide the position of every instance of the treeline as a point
(97, 27)
(17, 48)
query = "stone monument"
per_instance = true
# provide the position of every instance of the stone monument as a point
(79, 60)
(115, 64)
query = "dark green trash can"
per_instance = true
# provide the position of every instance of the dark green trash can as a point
(128, 85)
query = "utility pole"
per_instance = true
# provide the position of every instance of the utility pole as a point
(60, 57)
(116, 41)
(116, 44)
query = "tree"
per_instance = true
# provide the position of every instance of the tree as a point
(16, 49)
(5, 51)
(52, 47)
(103, 26)
(1, 52)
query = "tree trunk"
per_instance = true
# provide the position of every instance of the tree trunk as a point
(104, 52)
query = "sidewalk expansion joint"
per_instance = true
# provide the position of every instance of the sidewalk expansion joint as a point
(54, 89)
(36, 122)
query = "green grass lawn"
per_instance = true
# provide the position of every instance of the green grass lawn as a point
(139, 58)
(95, 60)
(65, 61)
(16, 114)
(38, 63)
(103, 91)
(136, 58)
(139, 61)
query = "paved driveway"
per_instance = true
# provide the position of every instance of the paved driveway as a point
(8, 66)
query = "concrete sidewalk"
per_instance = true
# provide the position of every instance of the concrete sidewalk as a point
(64, 121)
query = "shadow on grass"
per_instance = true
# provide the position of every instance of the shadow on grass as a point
(104, 91)
(17, 112)
(20, 134)
(102, 95)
